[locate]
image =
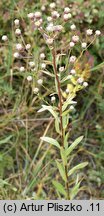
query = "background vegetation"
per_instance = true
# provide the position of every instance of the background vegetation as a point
(27, 165)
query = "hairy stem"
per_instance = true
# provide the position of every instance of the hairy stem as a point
(59, 94)
(60, 111)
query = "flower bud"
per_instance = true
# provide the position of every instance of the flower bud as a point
(31, 64)
(18, 32)
(89, 32)
(19, 47)
(66, 10)
(84, 45)
(28, 46)
(72, 59)
(67, 16)
(40, 81)
(16, 55)
(73, 27)
(22, 69)
(35, 90)
(29, 78)
(4, 38)
(75, 38)
(61, 69)
(72, 44)
(43, 65)
(53, 99)
(42, 56)
(16, 22)
(80, 80)
(97, 32)
(73, 72)
(85, 84)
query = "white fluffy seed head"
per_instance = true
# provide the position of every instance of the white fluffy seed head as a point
(16, 22)
(29, 78)
(66, 10)
(72, 59)
(18, 31)
(73, 72)
(28, 46)
(72, 44)
(53, 99)
(30, 15)
(16, 55)
(73, 27)
(40, 81)
(66, 17)
(75, 38)
(31, 64)
(35, 90)
(89, 32)
(85, 84)
(84, 45)
(80, 80)
(19, 47)
(22, 69)
(4, 38)
(52, 5)
(61, 69)
(43, 65)
(97, 32)
(42, 56)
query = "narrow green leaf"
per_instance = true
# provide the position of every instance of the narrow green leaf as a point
(79, 166)
(68, 102)
(51, 141)
(66, 141)
(73, 145)
(74, 191)
(6, 140)
(59, 187)
(50, 109)
(61, 170)
(57, 127)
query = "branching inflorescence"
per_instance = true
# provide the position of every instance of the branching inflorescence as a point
(70, 76)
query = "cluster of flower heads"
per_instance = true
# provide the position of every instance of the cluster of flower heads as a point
(52, 27)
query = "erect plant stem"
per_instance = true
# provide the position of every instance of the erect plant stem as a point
(60, 111)
(59, 94)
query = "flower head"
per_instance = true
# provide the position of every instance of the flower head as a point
(89, 32)
(4, 38)
(72, 59)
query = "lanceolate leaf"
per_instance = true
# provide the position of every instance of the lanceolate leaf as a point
(68, 102)
(74, 191)
(79, 166)
(51, 141)
(50, 109)
(73, 145)
(6, 140)
(59, 187)
(61, 170)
